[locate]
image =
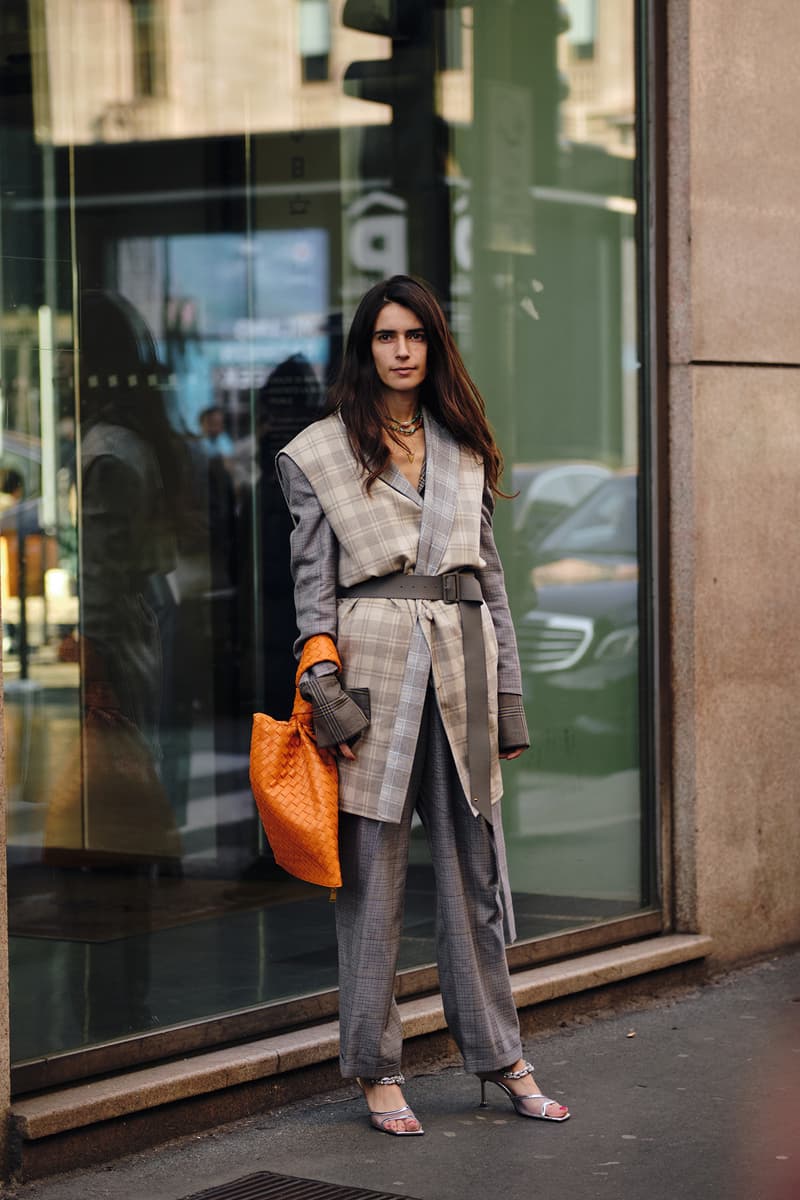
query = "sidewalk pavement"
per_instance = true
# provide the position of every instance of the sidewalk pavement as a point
(694, 1096)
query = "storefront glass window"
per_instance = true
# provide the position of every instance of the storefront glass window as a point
(192, 199)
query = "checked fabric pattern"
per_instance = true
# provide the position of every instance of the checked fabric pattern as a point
(390, 647)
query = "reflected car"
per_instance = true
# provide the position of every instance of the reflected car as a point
(579, 641)
(549, 490)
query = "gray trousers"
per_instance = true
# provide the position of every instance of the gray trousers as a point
(473, 972)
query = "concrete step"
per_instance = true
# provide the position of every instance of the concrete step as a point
(83, 1105)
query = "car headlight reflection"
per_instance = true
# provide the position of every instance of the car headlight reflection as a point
(622, 643)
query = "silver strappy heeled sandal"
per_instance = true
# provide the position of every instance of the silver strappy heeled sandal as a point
(535, 1104)
(379, 1120)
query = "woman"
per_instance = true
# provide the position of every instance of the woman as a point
(393, 556)
(131, 477)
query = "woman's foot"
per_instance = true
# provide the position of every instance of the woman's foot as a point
(386, 1103)
(525, 1088)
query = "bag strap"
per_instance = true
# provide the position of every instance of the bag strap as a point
(319, 648)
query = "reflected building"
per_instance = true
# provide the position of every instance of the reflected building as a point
(120, 71)
(596, 58)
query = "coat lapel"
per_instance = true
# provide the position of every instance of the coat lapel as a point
(397, 480)
(441, 496)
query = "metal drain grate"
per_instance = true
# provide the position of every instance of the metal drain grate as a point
(266, 1186)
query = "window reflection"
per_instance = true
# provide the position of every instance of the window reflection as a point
(109, 801)
(199, 213)
(579, 640)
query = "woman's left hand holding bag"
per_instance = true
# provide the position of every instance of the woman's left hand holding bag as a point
(339, 716)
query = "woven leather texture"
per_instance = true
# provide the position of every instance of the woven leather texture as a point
(295, 784)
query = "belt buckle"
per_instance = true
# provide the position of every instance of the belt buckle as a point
(451, 588)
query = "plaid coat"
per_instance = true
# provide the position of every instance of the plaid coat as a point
(391, 646)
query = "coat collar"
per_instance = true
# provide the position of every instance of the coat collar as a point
(441, 496)
(395, 478)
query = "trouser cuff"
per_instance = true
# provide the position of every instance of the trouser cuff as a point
(494, 1060)
(370, 1070)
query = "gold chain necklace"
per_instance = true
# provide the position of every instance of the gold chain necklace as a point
(410, 454)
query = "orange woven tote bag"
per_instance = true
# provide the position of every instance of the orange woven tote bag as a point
(296, 785)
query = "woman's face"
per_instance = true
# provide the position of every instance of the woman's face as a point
(399, 350)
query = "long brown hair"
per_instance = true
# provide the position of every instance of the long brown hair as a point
(447, 391)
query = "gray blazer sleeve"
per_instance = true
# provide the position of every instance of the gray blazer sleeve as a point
(314, 555)
(513, 728)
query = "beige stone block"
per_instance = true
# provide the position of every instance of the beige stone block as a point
(306, 1046)
(747, 657)
(680, 873)
(422, 1016)
(102, 1100)
(745, 181)
(555, 980)
(679, 309)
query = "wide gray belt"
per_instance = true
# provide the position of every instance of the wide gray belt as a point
(462, 588)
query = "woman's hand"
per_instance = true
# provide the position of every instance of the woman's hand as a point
(346, 752)
(509, 754)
